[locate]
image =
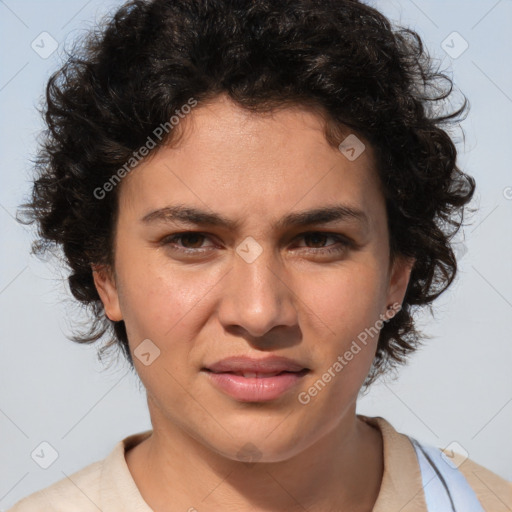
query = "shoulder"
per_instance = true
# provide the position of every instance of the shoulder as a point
(493, 491)
(78, 492)
(103, 485)
(402, 469)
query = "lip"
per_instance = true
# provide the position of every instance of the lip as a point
(271, 364)
(267, 379)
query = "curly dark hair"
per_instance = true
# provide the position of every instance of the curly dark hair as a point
(340, 57)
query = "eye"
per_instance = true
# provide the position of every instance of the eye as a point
(191, 242)
(192, 238)
(319, 238)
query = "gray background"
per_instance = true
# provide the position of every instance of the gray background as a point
(458, 388)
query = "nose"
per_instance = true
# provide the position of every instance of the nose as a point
(256, 297)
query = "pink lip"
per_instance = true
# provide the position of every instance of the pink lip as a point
(255, 389)
(272, 364)
(227, 375)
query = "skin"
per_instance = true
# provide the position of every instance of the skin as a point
(294, 300)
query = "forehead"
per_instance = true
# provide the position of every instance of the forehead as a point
(247, 164)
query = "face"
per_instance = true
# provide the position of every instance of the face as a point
(295, 273)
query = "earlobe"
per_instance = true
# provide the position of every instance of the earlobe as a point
(107, 290)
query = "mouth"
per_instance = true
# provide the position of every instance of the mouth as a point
(272, 365)
(253, 380)
(258, 375)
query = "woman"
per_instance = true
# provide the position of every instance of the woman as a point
(252, 197)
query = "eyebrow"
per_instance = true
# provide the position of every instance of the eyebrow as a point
(322, 215)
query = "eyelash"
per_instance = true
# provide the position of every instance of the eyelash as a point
(343, 242)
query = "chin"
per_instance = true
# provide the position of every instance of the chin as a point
(261, 441)
(258, 450)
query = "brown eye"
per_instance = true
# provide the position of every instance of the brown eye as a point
(191, 239)
(319, 239)
(187, 242)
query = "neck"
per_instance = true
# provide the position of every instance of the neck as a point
(342, 471)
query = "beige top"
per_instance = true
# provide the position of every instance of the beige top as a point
(107, 485)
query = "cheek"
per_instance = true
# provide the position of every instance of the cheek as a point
(158, 300)
(346, 300)
(345, 307)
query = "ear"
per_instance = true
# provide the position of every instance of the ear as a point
(107, 290)
(399, 279)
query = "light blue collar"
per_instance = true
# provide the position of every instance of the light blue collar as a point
(446, 489)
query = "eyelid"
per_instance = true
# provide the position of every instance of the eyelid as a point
(341, 246)
(168, 239)
(338, 236)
